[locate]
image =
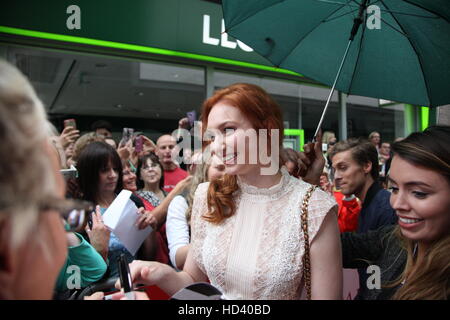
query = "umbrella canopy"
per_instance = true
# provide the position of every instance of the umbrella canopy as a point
(401, 51)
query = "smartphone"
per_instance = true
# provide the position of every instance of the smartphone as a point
(127, 134)
(125, 277)
(192, 117)
(69, 173)
(70, 123)
(139, 144)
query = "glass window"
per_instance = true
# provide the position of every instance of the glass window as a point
(125, 92)
(151, 96)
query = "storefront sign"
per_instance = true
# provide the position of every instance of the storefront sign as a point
(187, 26)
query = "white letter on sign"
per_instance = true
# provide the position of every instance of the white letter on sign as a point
(206, 27)
(224, 39)
(244, 47)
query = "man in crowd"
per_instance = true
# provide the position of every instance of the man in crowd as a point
(375, 138)
(165, 149)
(356, 173)
(385, 150)
(385, 158)
(102, 127)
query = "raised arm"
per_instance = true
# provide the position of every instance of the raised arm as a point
(160, 212)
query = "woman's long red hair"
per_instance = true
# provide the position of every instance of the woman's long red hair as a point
(264, 113)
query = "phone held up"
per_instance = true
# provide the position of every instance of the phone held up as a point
(70, 123)
(138, 144)
(127, 135)
(70, 173)
(192, 117)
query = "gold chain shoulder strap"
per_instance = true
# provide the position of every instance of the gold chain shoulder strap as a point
(306, 256)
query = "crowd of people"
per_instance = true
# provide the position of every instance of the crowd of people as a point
(285, 235)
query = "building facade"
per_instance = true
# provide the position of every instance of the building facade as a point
(145, 64)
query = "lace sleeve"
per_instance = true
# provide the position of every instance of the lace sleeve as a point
(320, 204)
(198, 224)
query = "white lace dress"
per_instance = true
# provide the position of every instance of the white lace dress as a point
(257, 253)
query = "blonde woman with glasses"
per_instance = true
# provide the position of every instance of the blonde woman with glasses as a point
(33, 243)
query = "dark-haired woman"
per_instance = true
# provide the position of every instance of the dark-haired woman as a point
(411, 261)
(150, 183)
(100, 181)
(150, 180)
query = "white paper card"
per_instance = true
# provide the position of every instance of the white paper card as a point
(121, 218)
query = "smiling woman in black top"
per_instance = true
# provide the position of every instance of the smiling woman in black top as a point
(413, 256)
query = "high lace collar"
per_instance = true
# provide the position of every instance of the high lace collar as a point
(271, 191)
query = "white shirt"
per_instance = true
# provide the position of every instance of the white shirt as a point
(177, 228)
(257, 253)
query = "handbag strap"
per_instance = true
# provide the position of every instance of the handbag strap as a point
(306, 256)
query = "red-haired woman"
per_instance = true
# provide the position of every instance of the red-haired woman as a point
(247, 236)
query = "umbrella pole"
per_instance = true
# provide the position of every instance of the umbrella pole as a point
(356, 23)
(331, 92)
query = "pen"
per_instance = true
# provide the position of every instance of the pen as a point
(125, 278)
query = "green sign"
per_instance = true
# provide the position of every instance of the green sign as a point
(300, 133)
(189, 28)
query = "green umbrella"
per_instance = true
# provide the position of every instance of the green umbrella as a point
(391, 49)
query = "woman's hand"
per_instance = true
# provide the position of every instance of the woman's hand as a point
(145, 219)
(138, 295)
(95, 296)
(327, 187)
(125, 151)
(183, 123)
(148, 273)
(132, 151)
(100, 234)
(68, 136)
(117, 296)
(149, 145)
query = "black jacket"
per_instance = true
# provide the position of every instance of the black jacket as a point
(381, 248)
(376, 210)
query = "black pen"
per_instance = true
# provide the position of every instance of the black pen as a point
(125, 278)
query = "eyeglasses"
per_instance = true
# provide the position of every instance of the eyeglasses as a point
(76, 213)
